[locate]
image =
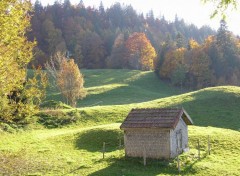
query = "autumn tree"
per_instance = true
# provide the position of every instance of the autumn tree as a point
(70, 82)
(192, 44)
(173, 59)
(54, 65)
(200, 74)
(19, 96)
(140, 54)
(67, 77)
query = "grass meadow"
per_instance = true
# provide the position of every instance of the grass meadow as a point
(68, 141)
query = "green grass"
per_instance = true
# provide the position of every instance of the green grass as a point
(116, 87)
(217, 107)
(112, 94)
(75, 149)
(78, 152)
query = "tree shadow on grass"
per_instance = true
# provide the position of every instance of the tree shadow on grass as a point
(134, 166)
(145, 87)
(189, 168)
(92, 140)
(120, 96)
(217, 108)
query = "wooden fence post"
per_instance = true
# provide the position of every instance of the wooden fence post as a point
(103, 150)
(178, 161)
(209, 145)
(198, 149)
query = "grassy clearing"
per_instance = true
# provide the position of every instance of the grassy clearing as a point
(112, 93)
(78, 152)
(217, 107)
(118, 87)
(76, 149)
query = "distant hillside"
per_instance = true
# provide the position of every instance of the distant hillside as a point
(217, 107)
(116, 87)
(112, 93)
(86, 31)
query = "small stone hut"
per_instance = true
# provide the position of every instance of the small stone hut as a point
(156, 133)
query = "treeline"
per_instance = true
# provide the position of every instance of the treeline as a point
(119, 37)
(214, 62)
(99, 37)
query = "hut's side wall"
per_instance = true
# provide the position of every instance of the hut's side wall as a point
(155, 142)
(180, 130)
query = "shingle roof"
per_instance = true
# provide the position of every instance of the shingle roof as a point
(155, 118)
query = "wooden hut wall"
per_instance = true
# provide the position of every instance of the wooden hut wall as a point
(174, 135)
(155, 142)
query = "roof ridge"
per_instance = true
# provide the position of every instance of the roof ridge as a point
(153, 118)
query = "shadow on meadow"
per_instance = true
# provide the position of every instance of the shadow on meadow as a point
(116, 162)
(215, 107)
(118, 87)
(134, 167)
(92, 140)
(139, 88)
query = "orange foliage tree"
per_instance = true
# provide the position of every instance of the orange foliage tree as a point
(172, 60)
(140, 53)
(70, 82)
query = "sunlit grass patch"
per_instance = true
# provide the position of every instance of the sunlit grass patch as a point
(78, 151)
(103, 89)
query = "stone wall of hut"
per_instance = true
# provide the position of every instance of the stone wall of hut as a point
(154, 142)
(179, 137)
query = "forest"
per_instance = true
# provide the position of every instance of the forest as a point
(118, 37)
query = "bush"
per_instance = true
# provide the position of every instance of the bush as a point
(57, 118)
(8, 127)
(51, 104)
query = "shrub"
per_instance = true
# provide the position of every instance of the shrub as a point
(57, 118)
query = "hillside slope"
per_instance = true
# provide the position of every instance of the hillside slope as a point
(77, 149)
(112, 94)
(116, 87)
(216, 106)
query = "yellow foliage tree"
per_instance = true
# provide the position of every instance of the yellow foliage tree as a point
(15, 50)
(193, 44)
(70, 81)
(19, 97)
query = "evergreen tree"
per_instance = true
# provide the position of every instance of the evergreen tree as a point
(180, 42)
(101, 8)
